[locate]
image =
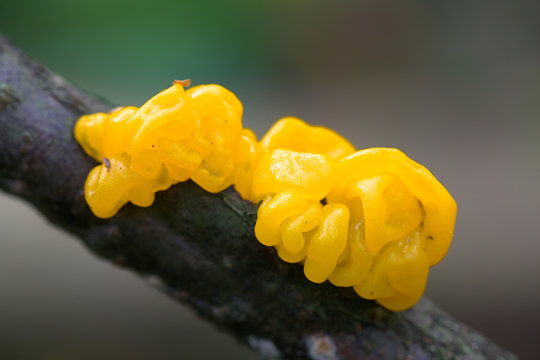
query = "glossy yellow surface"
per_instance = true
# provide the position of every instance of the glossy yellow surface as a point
(371, 219)
(174, 136)
(291, 133)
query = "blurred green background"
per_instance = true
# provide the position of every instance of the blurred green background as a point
(454, 84)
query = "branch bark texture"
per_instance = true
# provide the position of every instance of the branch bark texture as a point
(201, 246)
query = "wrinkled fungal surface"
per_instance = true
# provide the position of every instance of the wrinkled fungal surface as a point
(371, 219)
(199, 247)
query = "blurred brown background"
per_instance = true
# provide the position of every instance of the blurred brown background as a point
(454, 84)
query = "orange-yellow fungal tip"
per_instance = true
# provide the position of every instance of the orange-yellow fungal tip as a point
(385, 221)
(184, 83)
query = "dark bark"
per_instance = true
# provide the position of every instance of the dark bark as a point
(201, 246)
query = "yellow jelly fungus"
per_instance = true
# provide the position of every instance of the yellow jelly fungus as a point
(373, 219)
(248, 155)
(293, 134)
(311, 175)
(327, 243)
(438, 207)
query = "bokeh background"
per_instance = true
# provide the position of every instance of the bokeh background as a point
(454, 84)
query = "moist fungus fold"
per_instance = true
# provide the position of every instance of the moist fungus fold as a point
(373, 219)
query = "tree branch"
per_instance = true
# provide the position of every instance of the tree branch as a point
(201, 246)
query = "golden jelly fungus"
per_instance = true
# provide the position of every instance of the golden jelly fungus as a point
(293, 134)
(373, 219)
